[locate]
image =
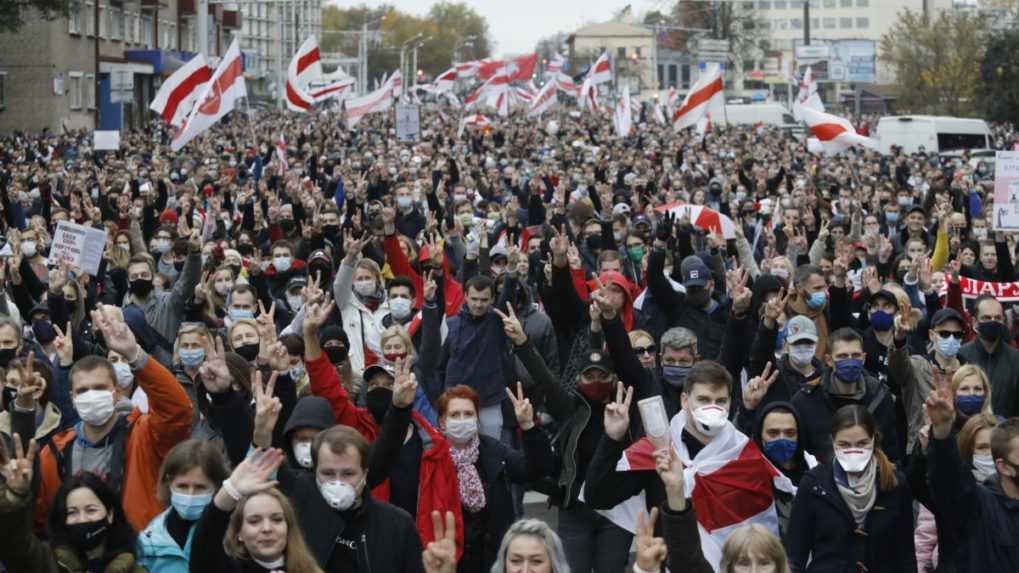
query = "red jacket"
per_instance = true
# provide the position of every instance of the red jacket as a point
(151, 437)
(400, 266)
(438, 489)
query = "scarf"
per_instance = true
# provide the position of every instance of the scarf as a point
(472, 492)
(858, 490)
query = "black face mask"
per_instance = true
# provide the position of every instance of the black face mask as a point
(236, 270)
(331, 231)
(178, 265)
(697, 297)
(6, 355)
(247, 351)
(141, 287)
(89, 535)
(594, 242)
(44, 331)
(246, 249)
(378, 400)
(8, 396)
(336, 354)
(287, 225)
(325, 273)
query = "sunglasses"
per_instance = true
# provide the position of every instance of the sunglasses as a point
(957, 334)
(644, 349)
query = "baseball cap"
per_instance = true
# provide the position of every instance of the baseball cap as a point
(598, 360)
(376, 369)
(944, 315)
(694, 272)
(887, 295)
(800, 328)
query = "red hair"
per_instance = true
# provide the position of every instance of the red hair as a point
(458, 391)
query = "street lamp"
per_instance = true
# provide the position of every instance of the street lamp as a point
(414, 57)
(460, 43)
(403, 53)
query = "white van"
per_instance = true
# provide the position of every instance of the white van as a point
(772, 114)
(936, 134)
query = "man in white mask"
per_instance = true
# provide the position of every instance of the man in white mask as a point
(346, 527)
(706, 442)
(125, 450)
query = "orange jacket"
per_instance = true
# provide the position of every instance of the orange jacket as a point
(152, 436)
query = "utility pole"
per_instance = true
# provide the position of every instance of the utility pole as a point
(95, 73)
(202, 6)
(806, 22)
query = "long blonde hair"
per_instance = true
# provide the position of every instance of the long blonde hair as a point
(749, 541)
(967, 371)
(298, 557)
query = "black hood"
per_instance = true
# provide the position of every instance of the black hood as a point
(310, 412)
(764, 284)
(800, 461)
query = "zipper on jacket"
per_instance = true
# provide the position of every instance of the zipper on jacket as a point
(364, 547)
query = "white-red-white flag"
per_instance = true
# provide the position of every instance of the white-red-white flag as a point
(730, 482)
(445, 81)
(832, 134)
(601, 71)
(565, 83)
(377, 101)
(703, 124)
(555, 65)
(305, 68)
(660, 115)
(467, 69)
(545, 99)
(622, 119)
(334, 90)
(588, 96)
(176, 97)
(474, 121)
(705, 94)
(281, 154)
(807, 96)
(217, 99)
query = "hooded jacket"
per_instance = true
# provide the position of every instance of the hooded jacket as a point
(362, 324)
(310, 412)
(783, 499)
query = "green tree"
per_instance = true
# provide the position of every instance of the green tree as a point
(934, 60)
(999, 73)
(13, 12)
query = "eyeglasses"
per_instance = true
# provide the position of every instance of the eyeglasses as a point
(644, 349)
(957, 334)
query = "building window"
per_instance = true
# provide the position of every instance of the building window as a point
(3, 90)
(765, 24)
(74, 89)
(89, 19)
(815, 23)
(815, 3)
(684, 76)
(104, 14)
(90, 91)
(863, 22)
(830, 3)
(672, 75)
(862, 4)
(779, 4)
(829, 23)
(621, 52)
(764, 4)
(796, 24)
(846, 3)
(146, 31)
(74, 18)
(845, 22)
(636, 50)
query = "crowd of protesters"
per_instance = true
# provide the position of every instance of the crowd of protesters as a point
(355, 354)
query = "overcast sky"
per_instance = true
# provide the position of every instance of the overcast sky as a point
(517, 25)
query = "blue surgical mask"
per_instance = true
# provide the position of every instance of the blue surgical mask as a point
(817, 300)
(780, 451)
(881, 320)
(675, 376)
(189, 507)
(237, 314)
(969, 405)
(849, 369)
(192, 358)
(892, 217)
(948, 347)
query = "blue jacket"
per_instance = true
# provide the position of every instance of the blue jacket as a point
(158, 552)
(982, 522)
(475, 354)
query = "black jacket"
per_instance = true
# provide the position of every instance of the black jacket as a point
(709, 328)
(981, 521)
(783, 499)
(822, 530)
(499, 466)
(786, 385)
(816, 406)
(683, 540)
(207, 553)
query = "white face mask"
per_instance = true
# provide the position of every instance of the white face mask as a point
(462, 431)
(124, 375)
(295, 301)
(801, 355)
(983, 467)
(400, 308)
(302, 453)
(223, 289)
(365, 287)
(95, 407)
(854, 460)
(710, 419)
(338, 494)
(28, 248)
(282, 264)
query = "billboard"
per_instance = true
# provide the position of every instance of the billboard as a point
(848, 60)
